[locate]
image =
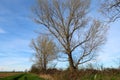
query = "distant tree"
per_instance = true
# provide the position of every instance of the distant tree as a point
(26, 71)
(67, 21)
(111, 9)
(90, 66)
(34, 69)
(45, 51)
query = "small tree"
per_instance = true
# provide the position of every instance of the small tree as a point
(67, 21)
(45, 51)
(34, 69)
(111, 9)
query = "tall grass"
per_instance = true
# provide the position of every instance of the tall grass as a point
(89, 74)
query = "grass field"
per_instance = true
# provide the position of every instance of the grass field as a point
(23, 76)
(5, 74)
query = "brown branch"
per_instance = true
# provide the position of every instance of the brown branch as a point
(80, 43)
(114, 5)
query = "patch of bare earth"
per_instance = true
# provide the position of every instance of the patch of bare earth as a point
(7, 74)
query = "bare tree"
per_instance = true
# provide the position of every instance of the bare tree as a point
(45, 51)
(111, 9)
(67, 21)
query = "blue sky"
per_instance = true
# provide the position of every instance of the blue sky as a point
(17, 30)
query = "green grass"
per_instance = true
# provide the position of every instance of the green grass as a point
(24, 76)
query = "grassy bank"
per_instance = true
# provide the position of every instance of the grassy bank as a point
(88, 75)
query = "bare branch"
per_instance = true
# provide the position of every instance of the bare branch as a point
(111, 9)
(45, 51)
(67, 21)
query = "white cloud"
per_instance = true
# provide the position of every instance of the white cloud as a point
(15, 55)
(16, 45)
(15, 63)
(111, 50)
(2, 31)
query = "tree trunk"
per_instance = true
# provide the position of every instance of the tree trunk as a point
(45, 62)
(71, 67)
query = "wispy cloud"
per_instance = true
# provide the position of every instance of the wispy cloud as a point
(15, 53)
(111, 50)
(15, 63)
(2, 31)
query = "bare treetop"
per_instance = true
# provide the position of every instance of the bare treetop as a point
(111, 9)
(45, 51)
(68, 22)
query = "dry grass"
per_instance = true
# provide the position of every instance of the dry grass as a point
(107, 74)
(88, 74)
(46, 76)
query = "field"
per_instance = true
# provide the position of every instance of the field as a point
(89, 74)
(5, 74)
(21, 76)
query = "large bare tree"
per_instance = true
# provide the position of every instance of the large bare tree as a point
(45, 51)
(67, 21)
(111, 9)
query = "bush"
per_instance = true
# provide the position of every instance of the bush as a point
(35, 69)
